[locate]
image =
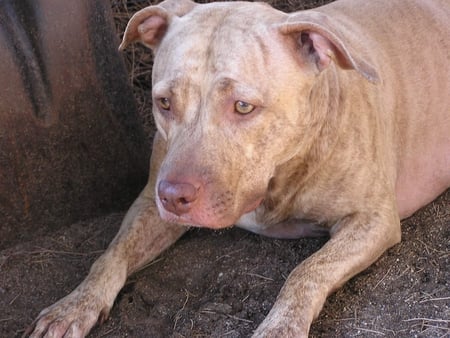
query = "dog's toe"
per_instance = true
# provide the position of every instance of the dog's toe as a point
(71, 317)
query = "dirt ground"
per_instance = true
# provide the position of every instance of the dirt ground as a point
(222, 284)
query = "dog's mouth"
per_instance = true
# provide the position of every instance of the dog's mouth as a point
(205, 217)
(254, 205)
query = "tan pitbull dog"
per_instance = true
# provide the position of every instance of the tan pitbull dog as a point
(335, 119)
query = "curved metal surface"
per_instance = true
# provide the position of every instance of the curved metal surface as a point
(71, 145)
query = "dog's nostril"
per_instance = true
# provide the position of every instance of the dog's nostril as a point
(183, 200)
(177, 197)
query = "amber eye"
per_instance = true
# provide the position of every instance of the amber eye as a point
(164, 103)
(242, 107)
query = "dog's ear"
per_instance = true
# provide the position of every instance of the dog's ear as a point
(149, 25)
(321, 42)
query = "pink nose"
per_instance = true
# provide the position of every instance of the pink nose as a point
(177, 198)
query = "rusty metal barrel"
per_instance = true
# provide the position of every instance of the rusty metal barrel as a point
(71, 143)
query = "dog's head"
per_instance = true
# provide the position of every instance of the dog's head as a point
(231, 95)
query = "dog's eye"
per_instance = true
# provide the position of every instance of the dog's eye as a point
(242, 107)
(164, 103)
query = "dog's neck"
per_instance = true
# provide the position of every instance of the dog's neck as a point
(316, 147)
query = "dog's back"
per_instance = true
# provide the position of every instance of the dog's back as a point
(408, 42)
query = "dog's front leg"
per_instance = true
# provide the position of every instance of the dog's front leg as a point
(356, 242)
(141, 238)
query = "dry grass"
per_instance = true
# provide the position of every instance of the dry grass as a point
(137, 59)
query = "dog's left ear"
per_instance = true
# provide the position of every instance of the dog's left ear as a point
(149, 25)
(321, 43)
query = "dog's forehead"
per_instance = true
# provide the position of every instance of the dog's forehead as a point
(238, 12)
(214, 38)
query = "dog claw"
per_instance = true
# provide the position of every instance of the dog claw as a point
(71, 317)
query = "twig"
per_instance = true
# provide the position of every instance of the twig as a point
(151, 263)
(245, 298)
(371, 331)
(427, 320)
(229, 333)
(178, 314)
(229, 254)
(14, 299)
(382, 279)
(434, 299)
(240, 319)
(428, 248)
(260, 276)
(55, 252)
(435, 327)
(107, 333)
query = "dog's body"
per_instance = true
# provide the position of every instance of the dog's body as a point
(336, 119)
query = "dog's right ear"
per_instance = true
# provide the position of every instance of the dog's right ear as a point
(149, 25)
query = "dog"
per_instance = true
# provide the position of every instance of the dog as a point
(334, 120)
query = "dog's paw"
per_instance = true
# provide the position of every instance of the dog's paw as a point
(281, 325)
(73, 316)
(275, 332)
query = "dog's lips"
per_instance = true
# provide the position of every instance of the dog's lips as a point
(254, 205)
(198, 220)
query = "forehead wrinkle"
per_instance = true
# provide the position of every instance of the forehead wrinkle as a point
(240, 91)
(240, 51)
